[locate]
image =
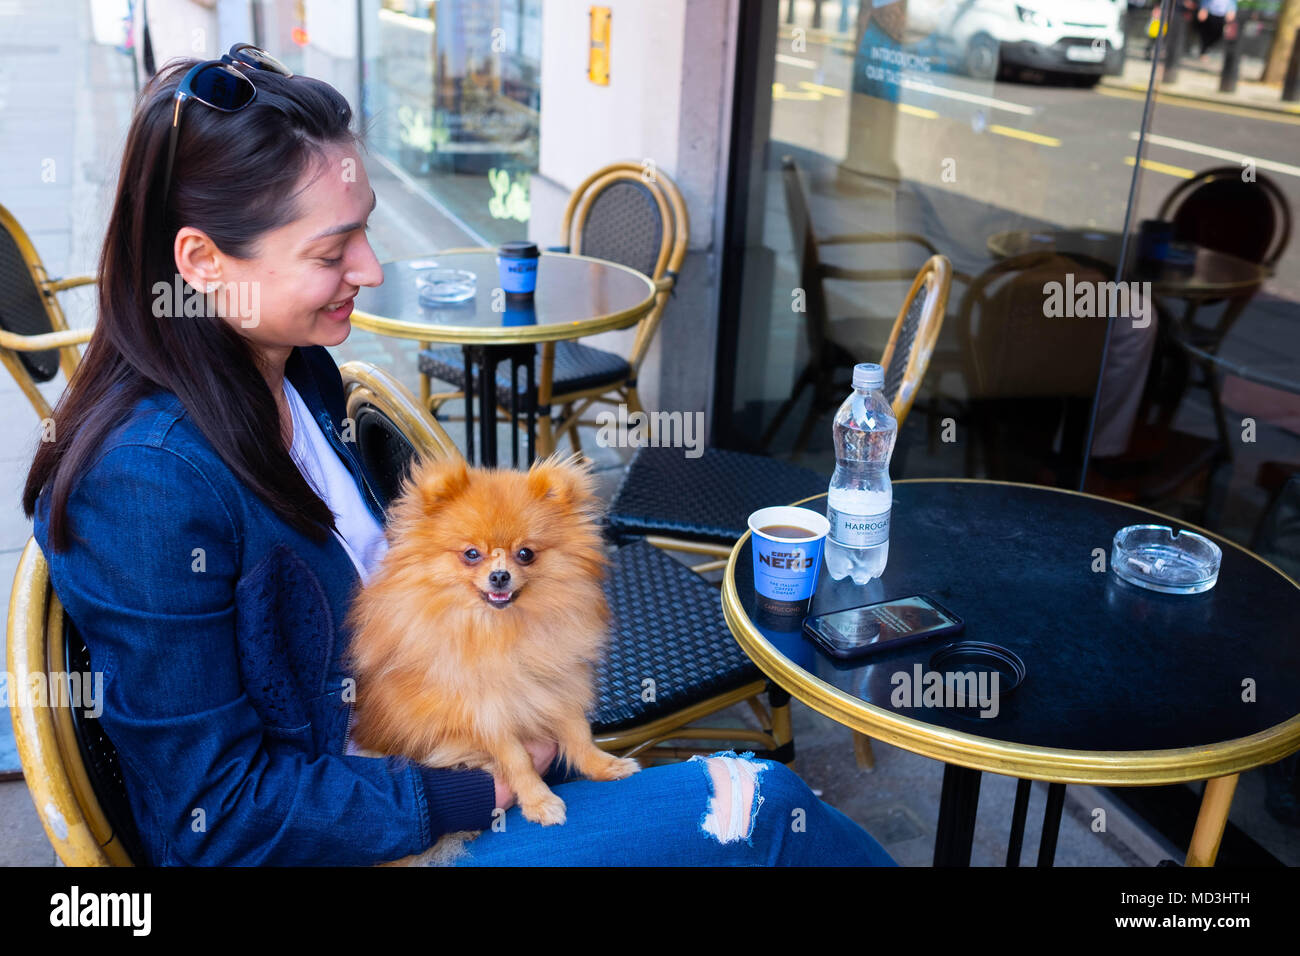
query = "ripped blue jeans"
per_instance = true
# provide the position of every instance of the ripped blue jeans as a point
(671, 816)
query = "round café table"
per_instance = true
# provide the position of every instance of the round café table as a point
(1215, 275)
(1123, 686)
(576, 296)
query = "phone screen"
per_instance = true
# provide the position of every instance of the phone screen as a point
(884, 622)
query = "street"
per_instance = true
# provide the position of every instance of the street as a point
(1038, 154)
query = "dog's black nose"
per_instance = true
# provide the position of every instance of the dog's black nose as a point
(499, 579)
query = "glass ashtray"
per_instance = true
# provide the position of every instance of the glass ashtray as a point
(1155, 557)
(440, 286)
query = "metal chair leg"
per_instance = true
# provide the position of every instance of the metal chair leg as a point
(862, 751)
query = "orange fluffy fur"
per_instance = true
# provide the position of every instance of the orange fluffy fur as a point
(447, 678)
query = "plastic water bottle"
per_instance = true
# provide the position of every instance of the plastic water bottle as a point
(860, 495)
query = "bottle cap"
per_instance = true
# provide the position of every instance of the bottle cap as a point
(868, 375)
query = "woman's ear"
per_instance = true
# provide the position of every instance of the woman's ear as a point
(198, 261)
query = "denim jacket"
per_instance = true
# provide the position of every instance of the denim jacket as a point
(220, 633)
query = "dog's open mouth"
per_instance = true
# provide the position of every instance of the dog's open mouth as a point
(499, 598)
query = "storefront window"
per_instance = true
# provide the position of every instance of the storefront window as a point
(452, 98)
(1122, 318)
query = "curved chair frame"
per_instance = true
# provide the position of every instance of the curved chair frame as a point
(1169, 207)
(55, 773)
(935, 277)
(60, 337)
(367, 384)
(668, 263)
(828, 357)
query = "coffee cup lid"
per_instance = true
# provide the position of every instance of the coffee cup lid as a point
(518, 250)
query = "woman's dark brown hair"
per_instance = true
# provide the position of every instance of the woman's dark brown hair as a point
(236, 177)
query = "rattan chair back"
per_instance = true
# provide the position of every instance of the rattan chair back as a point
(916, 330)
(1249, 219)
(69, 765)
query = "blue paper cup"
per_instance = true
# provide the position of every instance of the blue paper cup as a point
(786, 564)
(517, 267)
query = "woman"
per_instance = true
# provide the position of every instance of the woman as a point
(206, 526)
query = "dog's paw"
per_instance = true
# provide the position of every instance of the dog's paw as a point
(616, 768)
(548, 810)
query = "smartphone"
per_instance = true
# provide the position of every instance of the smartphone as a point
(875, 628)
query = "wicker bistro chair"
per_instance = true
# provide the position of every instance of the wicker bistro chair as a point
(35, 341)
(726, 486)
(1217, 209)
(390, 427)
(70, 766)
(623, 214)
(827, 355)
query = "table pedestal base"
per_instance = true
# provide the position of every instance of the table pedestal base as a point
(957, 808)
(486, 358)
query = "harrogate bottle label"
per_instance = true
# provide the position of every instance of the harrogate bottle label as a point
(858, 531)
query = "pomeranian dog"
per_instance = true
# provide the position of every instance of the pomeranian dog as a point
(481, 628)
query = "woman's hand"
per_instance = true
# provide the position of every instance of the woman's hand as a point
(543, 753)
(505, 797)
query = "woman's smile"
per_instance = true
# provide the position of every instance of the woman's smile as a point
(338, 311)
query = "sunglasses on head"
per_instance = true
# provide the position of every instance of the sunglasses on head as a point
(222, 85)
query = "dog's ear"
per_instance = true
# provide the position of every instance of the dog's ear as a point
(567, 481)
(437, 482)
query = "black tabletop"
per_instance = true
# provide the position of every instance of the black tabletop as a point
(1109, 666)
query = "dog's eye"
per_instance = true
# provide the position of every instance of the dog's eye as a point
(472, 555)
(524, 556)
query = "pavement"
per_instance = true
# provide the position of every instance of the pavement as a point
(1199, 79)
(77, 114)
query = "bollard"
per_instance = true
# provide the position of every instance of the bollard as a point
(1231, 62)
(1173, 45)
(1291, 85)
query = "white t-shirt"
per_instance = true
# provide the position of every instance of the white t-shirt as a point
(360, 534)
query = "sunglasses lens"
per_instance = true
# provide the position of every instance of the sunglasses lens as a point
(261, 60)
(223, 87)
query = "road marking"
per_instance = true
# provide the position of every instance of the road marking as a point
(818, 88)
(1025, 135)
(920, 111)
(796, 61)
(1181, 172)
(967, 97)
(1230, 155)
(779, 92)
(1174, 100)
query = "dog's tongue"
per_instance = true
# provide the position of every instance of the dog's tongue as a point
(499, 595)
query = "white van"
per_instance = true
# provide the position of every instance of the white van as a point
(1082, 37)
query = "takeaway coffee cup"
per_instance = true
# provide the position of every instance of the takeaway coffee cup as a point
(517, 266)
(787, 546)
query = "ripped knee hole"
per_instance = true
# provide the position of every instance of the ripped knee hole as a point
(733, 807)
